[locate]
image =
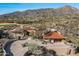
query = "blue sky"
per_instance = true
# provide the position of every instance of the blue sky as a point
(12, 7)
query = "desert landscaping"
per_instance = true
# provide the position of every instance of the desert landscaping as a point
(40, 32)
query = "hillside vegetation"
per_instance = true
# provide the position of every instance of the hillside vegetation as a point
(64, 19)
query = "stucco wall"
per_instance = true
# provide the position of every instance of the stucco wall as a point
(61, 49)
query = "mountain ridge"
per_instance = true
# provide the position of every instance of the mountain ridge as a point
(64, 9)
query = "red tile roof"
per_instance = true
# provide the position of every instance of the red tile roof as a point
(53, 35)
(30, 30)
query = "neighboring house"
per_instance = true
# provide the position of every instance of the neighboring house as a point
(30, 31)
(19, 32)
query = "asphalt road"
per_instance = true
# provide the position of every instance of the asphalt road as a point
(6, 48)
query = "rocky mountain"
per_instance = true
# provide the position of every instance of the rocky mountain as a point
(41, 13)
(68, 10)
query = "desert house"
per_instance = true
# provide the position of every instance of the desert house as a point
(57, 43)
(53, 36)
